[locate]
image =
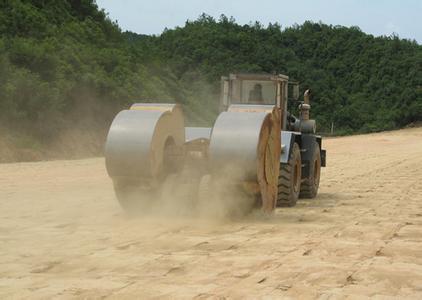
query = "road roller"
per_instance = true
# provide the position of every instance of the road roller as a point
(257, 155)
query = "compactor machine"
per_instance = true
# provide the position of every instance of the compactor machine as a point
(256, 150)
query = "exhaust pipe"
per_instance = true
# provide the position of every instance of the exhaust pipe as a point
(305, 107)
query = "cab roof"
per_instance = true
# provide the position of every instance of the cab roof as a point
(264, 77)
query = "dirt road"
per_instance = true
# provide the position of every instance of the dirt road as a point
(63, 235)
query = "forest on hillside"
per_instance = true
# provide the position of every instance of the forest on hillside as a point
(66, 69)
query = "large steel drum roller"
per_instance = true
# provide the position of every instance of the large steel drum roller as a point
(245, 147)
(143, 145)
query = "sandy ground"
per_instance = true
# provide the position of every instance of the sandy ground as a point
(63, 235)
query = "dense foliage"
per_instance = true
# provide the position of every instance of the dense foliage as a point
(65, 66)
(360, 83)
(65, 69)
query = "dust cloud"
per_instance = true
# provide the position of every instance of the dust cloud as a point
(78, 132)
(189, 195)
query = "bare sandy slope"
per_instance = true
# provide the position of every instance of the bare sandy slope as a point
(63, 235)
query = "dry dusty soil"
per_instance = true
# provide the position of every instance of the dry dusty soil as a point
(63, 235)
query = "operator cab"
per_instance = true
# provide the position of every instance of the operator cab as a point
(259, 91)
(256, 89)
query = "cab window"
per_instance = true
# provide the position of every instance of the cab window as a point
(258, 92)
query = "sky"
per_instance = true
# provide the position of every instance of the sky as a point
(377, 17)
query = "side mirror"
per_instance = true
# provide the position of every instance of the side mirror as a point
(295, 91)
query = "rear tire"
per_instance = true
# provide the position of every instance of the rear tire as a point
(289, 179)
(310, 185)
